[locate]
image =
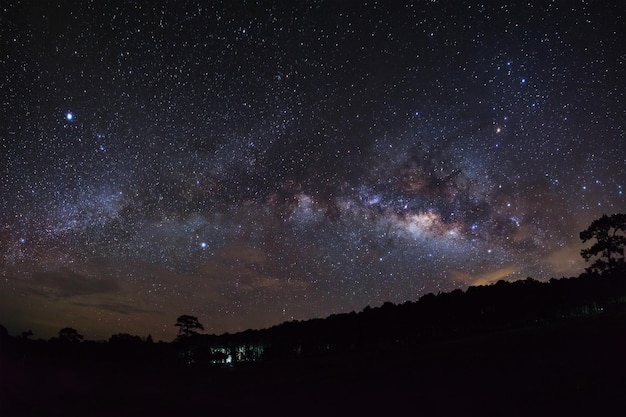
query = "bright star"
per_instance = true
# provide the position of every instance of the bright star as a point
(69, 116)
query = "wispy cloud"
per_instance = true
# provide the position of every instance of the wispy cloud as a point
(483, 278)
(118, 308)
(67, 283)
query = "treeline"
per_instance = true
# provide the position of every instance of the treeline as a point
(500, 306)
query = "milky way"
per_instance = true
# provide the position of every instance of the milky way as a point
(255, 162)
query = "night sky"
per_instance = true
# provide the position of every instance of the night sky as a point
(250, 163)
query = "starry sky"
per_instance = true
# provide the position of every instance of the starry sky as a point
(253, 162)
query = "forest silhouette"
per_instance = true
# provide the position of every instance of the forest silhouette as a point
(510, 348)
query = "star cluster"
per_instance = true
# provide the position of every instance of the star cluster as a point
(252, 162)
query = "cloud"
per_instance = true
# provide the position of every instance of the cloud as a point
(484, 278)
(253, 269)
(67, 283)
(118, 308)
(566, 260)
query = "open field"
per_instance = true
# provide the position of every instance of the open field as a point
(575, 367)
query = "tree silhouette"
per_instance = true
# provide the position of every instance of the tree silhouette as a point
(125, 339)
(67, 334)
(610, 235)
(189, 325)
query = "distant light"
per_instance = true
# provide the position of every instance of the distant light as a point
(69, 116)
(203, 245)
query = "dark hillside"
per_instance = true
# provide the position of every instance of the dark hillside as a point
(523, 348)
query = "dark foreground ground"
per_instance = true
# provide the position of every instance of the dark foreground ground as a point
(573, 368)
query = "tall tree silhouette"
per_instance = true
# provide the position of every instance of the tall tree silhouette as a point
(189, 325)
(67, 334)
(610, 235)
(26, 334)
